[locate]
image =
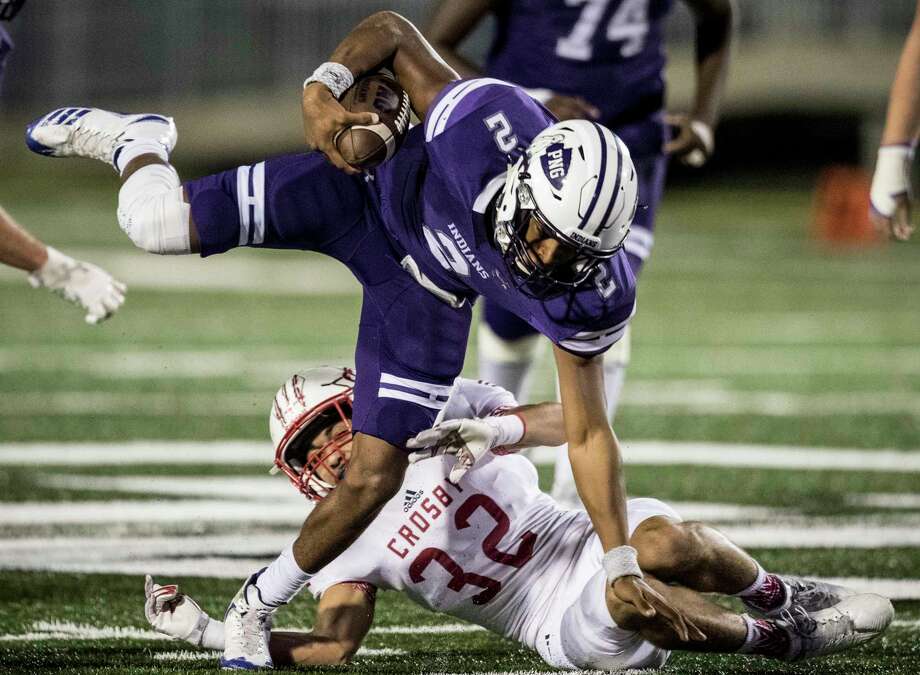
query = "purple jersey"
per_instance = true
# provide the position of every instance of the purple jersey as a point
(434, 201)
(609, 52)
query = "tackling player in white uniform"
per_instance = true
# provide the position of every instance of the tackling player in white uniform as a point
(491, 548)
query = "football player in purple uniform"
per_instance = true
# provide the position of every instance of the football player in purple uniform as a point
(601, 60)
(82, 283)
(891, 184)
(487, 197)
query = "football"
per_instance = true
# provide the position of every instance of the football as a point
(367, 146)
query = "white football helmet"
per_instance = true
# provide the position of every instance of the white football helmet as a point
(578, 180)
(308, 403)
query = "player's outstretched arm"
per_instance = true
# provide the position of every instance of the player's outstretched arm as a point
(343, 617)
(693, 143)
(82, 283)
(595, 457)
(471, 438)
(891, 187)
(382, 38)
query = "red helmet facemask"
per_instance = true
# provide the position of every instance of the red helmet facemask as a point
(316, 471)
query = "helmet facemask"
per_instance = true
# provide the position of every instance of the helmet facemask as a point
(518, 245)
(314, 447)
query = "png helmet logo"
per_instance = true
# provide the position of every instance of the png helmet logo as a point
(555, 161)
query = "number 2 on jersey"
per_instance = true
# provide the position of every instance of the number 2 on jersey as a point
(628, 24)
(460, 578)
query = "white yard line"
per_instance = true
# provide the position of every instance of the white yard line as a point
(66, 630)
(153, 511)
(635, 452)
(864, 535)
(699, 400)
(713, 400)
(187, 656)
(886, 500)
(428, 630)
(277, 490)
(257, 366)
(261, 272)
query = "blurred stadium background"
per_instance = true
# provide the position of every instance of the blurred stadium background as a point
(775, 385)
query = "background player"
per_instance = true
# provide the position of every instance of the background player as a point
(492, 549)
(891, 184)
(84, 284)
(603, 60)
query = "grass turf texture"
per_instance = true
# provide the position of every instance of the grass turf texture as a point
(737, 299)
(104, 600)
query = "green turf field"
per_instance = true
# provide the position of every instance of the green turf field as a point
(748, 333)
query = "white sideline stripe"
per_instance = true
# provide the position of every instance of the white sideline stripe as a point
(886, 500)
(906, 623)
(635, 452)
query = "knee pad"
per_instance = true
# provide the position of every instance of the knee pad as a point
(152, 211)
(496, 349)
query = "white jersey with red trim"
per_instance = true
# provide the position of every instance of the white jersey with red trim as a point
(475, 549)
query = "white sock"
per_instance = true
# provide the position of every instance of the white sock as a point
(507, 363)
(757, 583)
(614, 377)
(131, 150)
(282, 579)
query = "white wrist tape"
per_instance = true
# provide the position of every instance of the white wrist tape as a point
(336, 77)
(622, 561)
(704, 132)
(510, 429)
(892, 177)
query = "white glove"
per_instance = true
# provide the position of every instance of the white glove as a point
(468, 439)
(81, 283)
(891, 194)
(174, 613)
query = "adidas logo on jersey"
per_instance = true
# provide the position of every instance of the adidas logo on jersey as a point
(410, 498)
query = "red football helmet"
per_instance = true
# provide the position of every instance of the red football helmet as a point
(310, 424)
